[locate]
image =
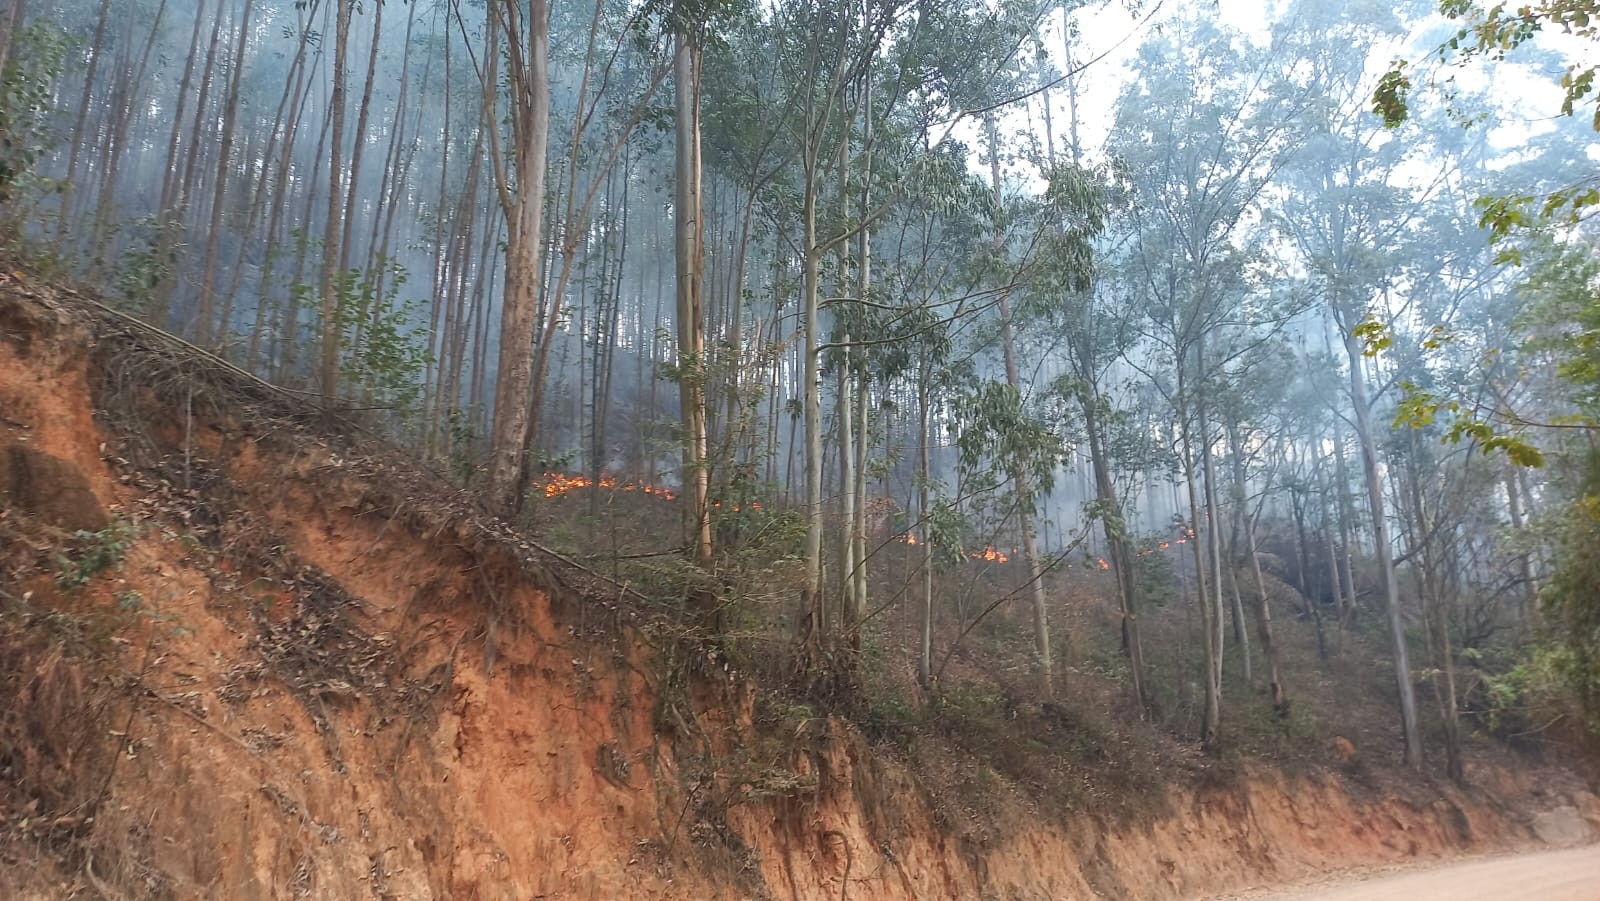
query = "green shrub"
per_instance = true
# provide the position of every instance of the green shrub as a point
(26, 90)
(96, 552)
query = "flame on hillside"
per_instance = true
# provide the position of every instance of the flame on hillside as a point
(995, 555)
(988, 554)
(555, 484)
(717, 505)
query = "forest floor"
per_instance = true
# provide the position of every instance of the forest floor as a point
(992, 730)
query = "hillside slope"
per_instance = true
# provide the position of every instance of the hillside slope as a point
(256, 656)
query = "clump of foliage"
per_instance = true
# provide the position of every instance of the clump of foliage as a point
(25, 101)
(1572, 596)
(1562, 317)
(380, 351)
(1530, 694)
(96, 552)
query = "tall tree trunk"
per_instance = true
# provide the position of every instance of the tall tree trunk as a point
(1385, 558)
(608, 340)
(1210, 727)
(13, 18)
(1530, 586)
(1342, 495)
(690, 311)
(844, 418)
(844, 413)
(1019, 478)
(815, 622)
(924, 475)
(96, 45)
(1435, 621)
(858, 523)
(434, 413)
(114, 149)
(332, 326)
(1213, 532)
(168, 219)
(1115, 529)
(1269, 647)
(284, 129)
(363, 115)
(523, 204)
(230, 115)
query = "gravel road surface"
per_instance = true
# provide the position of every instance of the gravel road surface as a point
(1570, 875)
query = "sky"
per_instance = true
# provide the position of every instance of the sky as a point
(1110, 34)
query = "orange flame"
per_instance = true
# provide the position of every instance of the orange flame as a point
(988, 554)
(556, 484)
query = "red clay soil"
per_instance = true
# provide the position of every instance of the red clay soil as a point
(341, 686)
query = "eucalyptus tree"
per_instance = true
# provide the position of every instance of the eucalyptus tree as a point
(1530, 227)
(1202, 130)
(1446, 474)
(1001, 421)
(1250, 408)
(209, 294)
(1087, 315)
(600, 125)
(1347, 211)
(520, 185)
(1024, 454)
(1083, 313)
(333, 227)
(933, 263)
(744, 147)
(1255, 415)
(1430, 485)
(689, 21)
(1492, 32)
(76, 141)
(930, 78)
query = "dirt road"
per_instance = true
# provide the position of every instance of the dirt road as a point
(1571, 875)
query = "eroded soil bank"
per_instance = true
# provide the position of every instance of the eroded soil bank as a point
(314, 672)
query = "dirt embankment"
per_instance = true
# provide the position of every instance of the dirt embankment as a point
(320, 675)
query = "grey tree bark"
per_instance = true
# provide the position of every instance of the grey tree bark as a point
(1384, 554)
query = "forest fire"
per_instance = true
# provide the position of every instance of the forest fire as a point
(988, 554)
(379, 264)
(995, 555)
(737, 508)
(555, 484)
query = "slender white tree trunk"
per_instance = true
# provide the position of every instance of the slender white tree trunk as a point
(690, 317)
(1380, 535)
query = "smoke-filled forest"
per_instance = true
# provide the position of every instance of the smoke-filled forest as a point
(896, 340)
